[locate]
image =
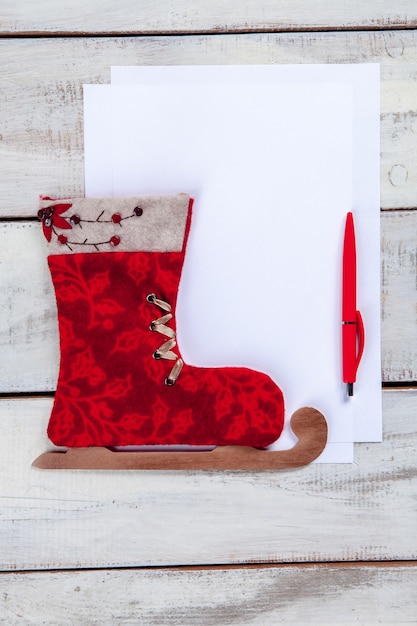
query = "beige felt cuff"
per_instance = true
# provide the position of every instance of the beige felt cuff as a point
(148, 223)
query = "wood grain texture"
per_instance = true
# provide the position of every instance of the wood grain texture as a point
(266, 596)
(167, 16)
(29, 342)
(398, 278)
(29, 354)
(41, 117)
(81, 519)
(77, 519)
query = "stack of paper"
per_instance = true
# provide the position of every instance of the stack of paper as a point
(275, 156)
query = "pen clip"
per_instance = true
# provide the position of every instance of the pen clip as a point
(361, 338)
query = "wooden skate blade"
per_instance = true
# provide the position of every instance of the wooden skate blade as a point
(308, 424)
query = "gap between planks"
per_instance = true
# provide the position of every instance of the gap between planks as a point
(4, 219)
(336, 565)
(27, 395)
(216, 30)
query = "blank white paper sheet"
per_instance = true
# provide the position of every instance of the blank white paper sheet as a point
(274, 156)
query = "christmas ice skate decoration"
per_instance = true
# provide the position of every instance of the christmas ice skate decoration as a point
(116, 266)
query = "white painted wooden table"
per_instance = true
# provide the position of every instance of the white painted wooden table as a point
(325, 544)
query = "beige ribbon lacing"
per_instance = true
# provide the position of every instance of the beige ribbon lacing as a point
(165, 351)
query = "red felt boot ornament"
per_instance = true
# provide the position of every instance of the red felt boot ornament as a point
(116, 266)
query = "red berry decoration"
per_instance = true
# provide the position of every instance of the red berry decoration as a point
(138, 211)
(116, 218)
(75, 219)
(115, 240)
(62, 239)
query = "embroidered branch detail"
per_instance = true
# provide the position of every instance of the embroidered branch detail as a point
(165, 350)
(52, 219)
(116, 218)
(63, 239)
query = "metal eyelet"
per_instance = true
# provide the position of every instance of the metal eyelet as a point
(156, 355)
(169, 382)
(151, 297)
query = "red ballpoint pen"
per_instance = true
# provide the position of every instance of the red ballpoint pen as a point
(353, 335)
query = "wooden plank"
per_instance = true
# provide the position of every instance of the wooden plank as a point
(167, 16)
(29, 343)
(82, 519)
(41, 118)
(267, 596)
(398, 310)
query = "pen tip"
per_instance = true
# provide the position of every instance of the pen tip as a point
(349, 389)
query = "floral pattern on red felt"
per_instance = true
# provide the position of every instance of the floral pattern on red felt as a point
(111, 392)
